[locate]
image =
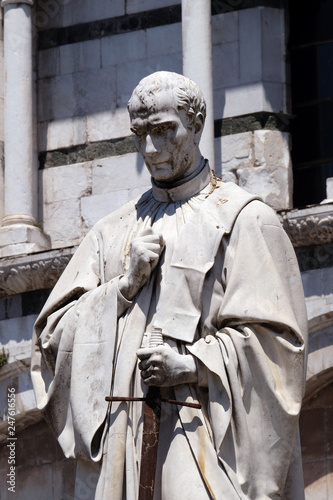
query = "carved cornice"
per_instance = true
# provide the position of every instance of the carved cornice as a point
(310, 226)
(32, 272)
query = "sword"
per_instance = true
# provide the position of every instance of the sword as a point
(151, 426)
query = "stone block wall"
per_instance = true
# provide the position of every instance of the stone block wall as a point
(249, 62)
(84, 82)
(84, 87)
(258, 161)
(76, 196)
(93, 79)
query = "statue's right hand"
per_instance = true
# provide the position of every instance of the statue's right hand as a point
(145, 251)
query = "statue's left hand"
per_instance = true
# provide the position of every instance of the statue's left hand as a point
(162, 366)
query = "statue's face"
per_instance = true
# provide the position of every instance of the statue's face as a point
(163, 136)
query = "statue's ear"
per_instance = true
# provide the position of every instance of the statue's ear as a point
(198, 127)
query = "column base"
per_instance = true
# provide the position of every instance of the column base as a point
(22, 239)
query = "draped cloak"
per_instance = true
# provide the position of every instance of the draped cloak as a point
(227, 290)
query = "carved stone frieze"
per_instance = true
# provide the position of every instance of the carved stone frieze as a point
(32, 272)
(310, 226)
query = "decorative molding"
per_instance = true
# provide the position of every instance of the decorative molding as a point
(33, 272)
(311, 230)
(21, 239)
(310, 226)
(26, 219)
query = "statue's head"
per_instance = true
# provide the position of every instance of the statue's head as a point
(167, 113)
(186, 93)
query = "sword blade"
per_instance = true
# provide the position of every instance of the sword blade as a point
(151, 429)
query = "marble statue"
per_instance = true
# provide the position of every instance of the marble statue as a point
(207, 265)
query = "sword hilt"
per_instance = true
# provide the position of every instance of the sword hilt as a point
(156, 337)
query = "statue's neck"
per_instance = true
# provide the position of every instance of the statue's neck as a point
(186, 187)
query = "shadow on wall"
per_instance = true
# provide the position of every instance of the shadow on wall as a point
(317, 412)
(317, 441)
(42, 466)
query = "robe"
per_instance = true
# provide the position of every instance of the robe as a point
(243, 319)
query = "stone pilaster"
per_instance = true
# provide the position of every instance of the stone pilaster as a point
(197, 61)
(2, 94)
(19, 234)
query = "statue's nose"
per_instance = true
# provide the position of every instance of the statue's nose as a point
(151, 145)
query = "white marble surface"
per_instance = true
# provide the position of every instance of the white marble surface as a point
(80, 56)
(63, 133)
(198, 64)
(113, 174)
(63, 223)
(318, 292)
(329, 188)
(20, 158)
(123, 47)
(68, 182)
(250, 45)
(21, 239)
(105, 124)
(259, 162)
(77, 196)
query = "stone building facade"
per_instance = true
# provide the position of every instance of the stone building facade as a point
(67, 158)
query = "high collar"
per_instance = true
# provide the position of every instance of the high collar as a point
(193, 185)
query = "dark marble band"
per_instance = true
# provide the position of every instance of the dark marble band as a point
(123, 145)
(315, 257)
(54, 37)
(106, 27)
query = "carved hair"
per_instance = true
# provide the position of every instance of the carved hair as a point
(189, 96)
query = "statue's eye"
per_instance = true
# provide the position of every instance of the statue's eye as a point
(139, 132)
(161, 129)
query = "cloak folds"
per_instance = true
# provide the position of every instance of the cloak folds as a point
(248, 341)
